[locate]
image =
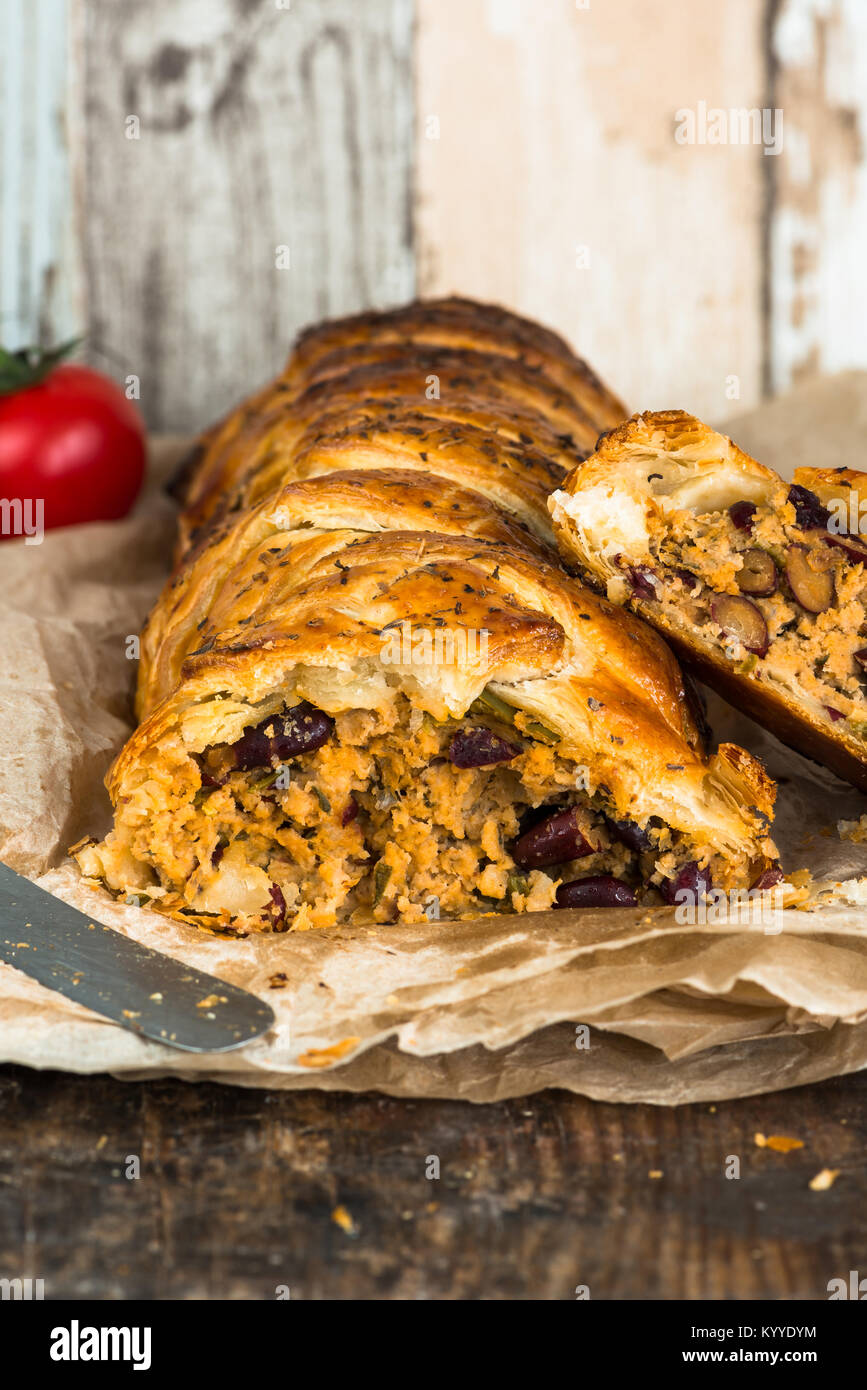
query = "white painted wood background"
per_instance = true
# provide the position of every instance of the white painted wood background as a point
(267, 181)
(519, 150)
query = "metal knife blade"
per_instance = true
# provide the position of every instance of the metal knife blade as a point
(140, 989)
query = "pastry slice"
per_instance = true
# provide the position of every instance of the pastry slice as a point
(759, 585)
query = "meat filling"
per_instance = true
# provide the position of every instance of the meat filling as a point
(307, 821)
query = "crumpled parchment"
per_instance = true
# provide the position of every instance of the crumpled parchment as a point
(623, 1005)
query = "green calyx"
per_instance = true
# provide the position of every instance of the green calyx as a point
(28, 366)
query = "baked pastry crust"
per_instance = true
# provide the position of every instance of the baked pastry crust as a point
(342, 506)
(464, 374)
(626, 514)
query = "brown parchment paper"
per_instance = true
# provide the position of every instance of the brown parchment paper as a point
(619, 1005)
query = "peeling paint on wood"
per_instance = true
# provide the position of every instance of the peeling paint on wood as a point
(817, 299)
(262, 183)
(40, 268)
(556, 138)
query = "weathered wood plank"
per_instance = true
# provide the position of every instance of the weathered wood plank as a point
(237, 1190)
(40, 266)
(557, 132)
(216, 134)
(818, 194)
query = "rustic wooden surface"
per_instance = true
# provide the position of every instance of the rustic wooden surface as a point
(239, 1189)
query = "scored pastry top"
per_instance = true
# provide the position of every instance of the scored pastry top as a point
(447, 374)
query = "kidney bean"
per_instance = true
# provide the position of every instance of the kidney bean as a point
(769, 879)
(555, 840)
(253, 748)
(689, 880)
(810, 515)
(350, 812)
(639, 577)
(481, 748)
(742, 514)
(632, 835)
(301, 729)
(275, 911)
(600, 890)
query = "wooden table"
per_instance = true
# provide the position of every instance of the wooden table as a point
(243, 1191)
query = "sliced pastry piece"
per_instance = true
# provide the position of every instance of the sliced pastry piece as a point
(757, 583)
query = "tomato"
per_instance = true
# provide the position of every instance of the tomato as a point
(70, 439)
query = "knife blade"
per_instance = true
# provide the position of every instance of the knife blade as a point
(139, 988)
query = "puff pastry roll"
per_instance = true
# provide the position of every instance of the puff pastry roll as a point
(370, 692)
(757, 583)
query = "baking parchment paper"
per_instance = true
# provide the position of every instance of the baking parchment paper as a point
(619, 1005)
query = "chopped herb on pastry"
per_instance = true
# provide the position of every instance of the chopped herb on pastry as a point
(369, 693)
(756, 582)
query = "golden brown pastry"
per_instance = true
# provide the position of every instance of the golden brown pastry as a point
(369, 691)
(445, 375)
(755, 582)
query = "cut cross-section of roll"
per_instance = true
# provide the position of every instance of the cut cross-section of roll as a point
(417, 724)
(760, 585)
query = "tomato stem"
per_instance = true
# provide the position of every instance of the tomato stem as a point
(30, 365)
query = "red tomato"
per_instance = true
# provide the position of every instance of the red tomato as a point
(74, 441)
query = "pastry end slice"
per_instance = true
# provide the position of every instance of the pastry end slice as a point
(757, 583)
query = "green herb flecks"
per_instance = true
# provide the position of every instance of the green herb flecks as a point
(381, 876)
(540, 733)
(489, 703)
(518, 883)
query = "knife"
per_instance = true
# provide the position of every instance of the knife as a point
(139, 988)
